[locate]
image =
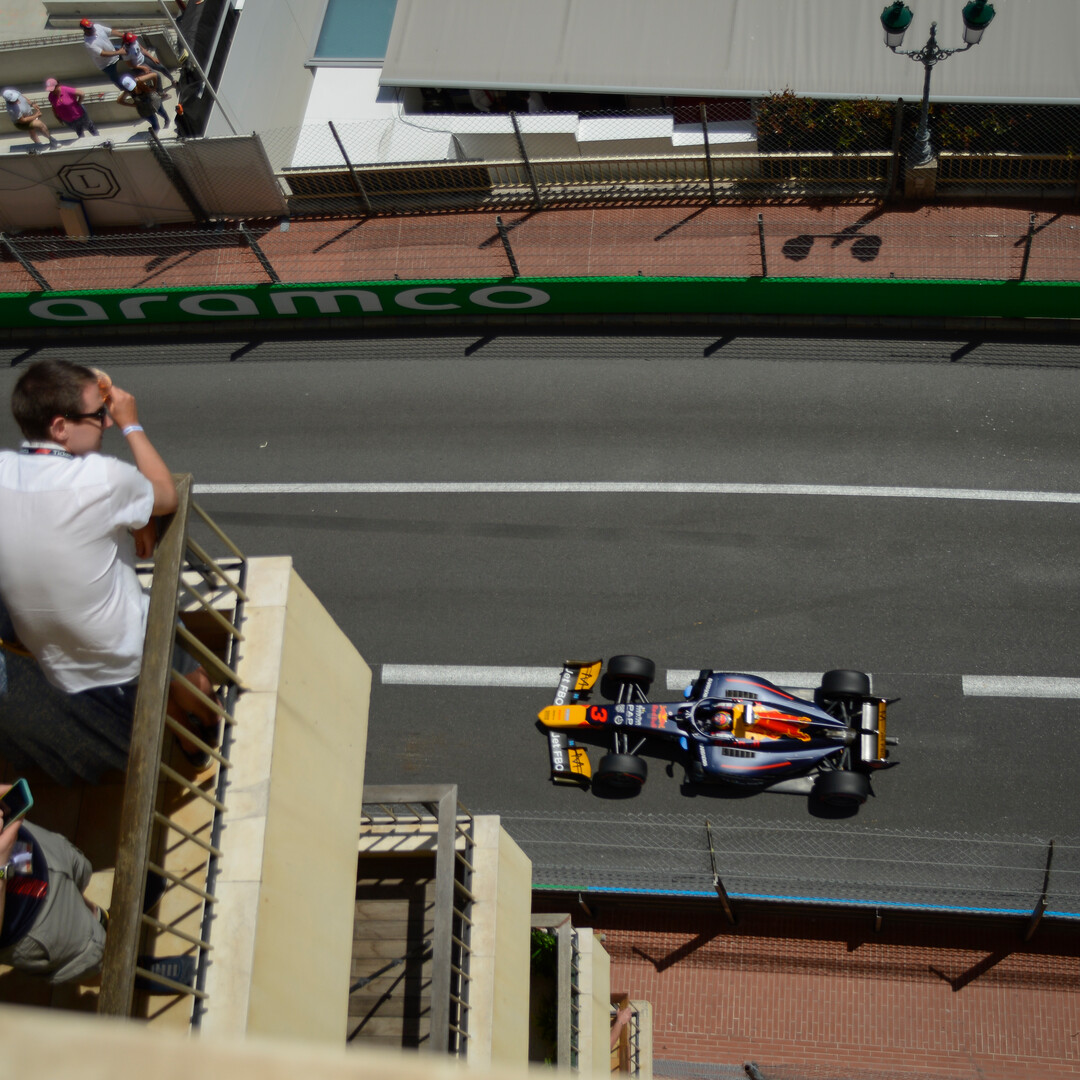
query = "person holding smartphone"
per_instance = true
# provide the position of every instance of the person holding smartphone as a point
(47, 926)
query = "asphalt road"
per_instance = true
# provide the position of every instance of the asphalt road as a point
(917, 591)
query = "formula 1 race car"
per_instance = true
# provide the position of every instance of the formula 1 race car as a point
(729, 729)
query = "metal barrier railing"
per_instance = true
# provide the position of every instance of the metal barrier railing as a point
(432, 186)
(1009, 170)
(388, 808)
(186, 583)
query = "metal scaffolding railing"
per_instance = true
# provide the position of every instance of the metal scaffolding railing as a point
(188, 586)
(387, 809)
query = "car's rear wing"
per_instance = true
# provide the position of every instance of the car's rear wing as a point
(577, 679)
(873, 743)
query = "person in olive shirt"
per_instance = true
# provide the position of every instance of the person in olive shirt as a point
(47, 926)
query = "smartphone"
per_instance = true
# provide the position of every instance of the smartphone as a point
(16, 802)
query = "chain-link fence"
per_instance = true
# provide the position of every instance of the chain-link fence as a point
(962, 243)
(824, 862)
(779, 147)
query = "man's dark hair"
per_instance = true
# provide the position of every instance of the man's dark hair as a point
(48, 388)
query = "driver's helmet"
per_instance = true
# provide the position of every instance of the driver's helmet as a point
(717, 718)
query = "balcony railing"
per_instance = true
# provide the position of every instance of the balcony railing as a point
(393, 810)
(196, 602)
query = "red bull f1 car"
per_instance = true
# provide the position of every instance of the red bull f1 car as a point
(729, 729)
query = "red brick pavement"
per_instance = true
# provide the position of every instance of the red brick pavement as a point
(822, 240)
(815, 996)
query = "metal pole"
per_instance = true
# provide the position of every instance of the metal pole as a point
(1040, 906)
(922, 153)
(761, 245)
(252, 243)
(505, 237)
(1027, 247)
(198, 67)
(352, 172)
(718, 885)
(538, 202)
(894, 161)
(708, 153)
(25, 263)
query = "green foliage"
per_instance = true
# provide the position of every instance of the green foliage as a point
(788, 122)
(545, 953)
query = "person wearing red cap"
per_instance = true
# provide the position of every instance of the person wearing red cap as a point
(98, 41)
(67, 107)
(140, 58)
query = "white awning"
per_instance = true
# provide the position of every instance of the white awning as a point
(731, 48)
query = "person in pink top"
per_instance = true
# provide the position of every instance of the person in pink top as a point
(67, 107)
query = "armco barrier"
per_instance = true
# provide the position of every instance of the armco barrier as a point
(856, 297)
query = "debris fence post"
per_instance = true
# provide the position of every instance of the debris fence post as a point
(357, 183)
(504, 236)
(538, 202)
(708, 153)
(252, 243)
(25, 263)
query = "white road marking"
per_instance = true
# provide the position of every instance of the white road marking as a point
(468, 675)
(547, 678)
(1020, 686)
(637, 488)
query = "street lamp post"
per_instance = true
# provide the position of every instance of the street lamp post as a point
(895, 20)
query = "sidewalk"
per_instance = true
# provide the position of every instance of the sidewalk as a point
(938, 241)
(810, 997)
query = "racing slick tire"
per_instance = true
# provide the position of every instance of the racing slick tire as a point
(621, 772)
(844, 683)
(632, 669)
(842, 788)
(627, 669)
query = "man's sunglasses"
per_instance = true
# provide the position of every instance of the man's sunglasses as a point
(98, 414)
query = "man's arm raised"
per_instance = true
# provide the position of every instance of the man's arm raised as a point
(148, 461)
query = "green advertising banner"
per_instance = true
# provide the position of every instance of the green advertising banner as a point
(554, 296)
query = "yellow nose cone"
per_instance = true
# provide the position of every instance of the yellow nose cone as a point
(563, 716)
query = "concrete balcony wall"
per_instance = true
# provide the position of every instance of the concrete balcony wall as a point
(594, 1005)
(499, 988)
(284, 920)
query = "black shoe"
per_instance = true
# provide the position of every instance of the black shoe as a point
(177, 969)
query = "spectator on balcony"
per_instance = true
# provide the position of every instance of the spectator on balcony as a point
(67, 107)
(47, 925)
(98, 41)
(141, 94)
(72, 522)
(27, 117)
(142, 60)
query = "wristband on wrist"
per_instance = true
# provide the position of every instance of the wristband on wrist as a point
(130, 429)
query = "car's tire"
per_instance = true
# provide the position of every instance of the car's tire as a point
(621, 772)
(845, 683)
(635, 669)
(841, 788)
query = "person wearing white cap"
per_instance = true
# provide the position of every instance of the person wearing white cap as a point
(27, 117)
(67, 107)
(98, 42)
(141, 95)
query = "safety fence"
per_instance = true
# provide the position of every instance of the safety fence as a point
(779, 147)
(826, 862)
(171, 816)
(998, 244)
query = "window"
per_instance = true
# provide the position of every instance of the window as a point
(355, 31)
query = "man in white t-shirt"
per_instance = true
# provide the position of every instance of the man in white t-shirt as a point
(97, 37)
(72, 522)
